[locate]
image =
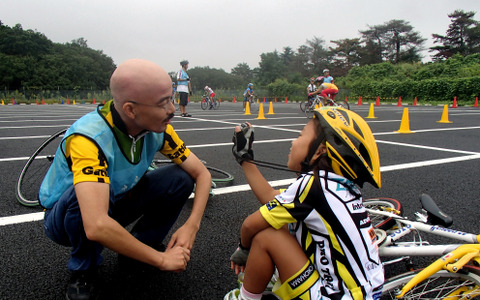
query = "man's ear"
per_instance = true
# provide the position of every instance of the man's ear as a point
(129, 110)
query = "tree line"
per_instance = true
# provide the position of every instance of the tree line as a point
(30, 62)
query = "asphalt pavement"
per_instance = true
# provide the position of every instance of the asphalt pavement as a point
(440, 159)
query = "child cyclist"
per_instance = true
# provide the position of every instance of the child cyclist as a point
(330, 250)
(326, 90)
(210, 93)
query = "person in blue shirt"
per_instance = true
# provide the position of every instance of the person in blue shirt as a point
(327, 78)
(247, 94)
(184, 87)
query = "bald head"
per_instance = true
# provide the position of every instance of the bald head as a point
(138, 80)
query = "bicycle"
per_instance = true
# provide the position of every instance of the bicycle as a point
(207, 102)
(309, 105)
(252, 104)
(37, 165)
(454, 275)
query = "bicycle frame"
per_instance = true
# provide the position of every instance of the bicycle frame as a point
(390, 246)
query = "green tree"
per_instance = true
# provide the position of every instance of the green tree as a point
(462, 37)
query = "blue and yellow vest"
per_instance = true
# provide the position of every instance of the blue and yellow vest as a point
(124, 175)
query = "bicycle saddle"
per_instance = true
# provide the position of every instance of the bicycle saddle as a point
(435, 215)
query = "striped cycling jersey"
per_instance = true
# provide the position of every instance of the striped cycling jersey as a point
(335, 232)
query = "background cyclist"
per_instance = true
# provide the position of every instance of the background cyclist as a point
(326, 90)
(210, 93)
(247, 94)
(326, 76)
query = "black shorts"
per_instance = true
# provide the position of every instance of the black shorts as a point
(183, 98)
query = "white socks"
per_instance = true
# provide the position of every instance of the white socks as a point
(246, 295)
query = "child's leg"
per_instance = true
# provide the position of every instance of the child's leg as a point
(271, 248)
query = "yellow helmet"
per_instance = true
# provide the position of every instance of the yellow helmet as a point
(350, 145)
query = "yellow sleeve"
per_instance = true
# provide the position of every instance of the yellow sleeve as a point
(276, 214)
(86, 160)
(174, 148)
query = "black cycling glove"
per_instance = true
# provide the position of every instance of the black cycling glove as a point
(242, 143)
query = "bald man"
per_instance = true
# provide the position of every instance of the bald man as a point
(98, 183)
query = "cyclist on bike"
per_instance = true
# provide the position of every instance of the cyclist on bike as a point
(210, 93)
(328, 91)
(326, 76)
(330, 250)
(247, 94)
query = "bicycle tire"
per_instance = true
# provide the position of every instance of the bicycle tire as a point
(465, 284)
(309, 112)
(381, 203)
(304, 104)
(343, 103)
(218, 175)
(35, 169)
(254, 107)
(204, 104)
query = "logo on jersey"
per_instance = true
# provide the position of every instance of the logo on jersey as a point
(271, 205)
(92, 171)
(296, 282)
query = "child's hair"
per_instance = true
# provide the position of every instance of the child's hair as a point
(323, 162)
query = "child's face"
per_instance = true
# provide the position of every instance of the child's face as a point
(300, 147)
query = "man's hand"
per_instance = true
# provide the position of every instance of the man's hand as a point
(242, 142)
(176, 259)
(184, 237)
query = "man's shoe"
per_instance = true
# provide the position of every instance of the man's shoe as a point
(81, 285)
(187, 115)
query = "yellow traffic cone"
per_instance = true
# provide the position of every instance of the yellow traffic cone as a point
(261, 116)
(247, 109)
(371, 114)
(3, 103)
(270, 109)
(405, 124)
(73, 102)
(444, 118)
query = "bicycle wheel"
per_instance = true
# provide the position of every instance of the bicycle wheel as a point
(343, 103)
(383, 204)
(31, 177)
(304, 104)
(254, 107)
(465, 284)
(204, 104)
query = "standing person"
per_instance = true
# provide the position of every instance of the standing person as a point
(98, 183)
(330, 250)
(326, 76)
(184, 88)
(311, 87)
(247, 94)
(209, 91)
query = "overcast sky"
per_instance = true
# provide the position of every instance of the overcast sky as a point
(219, 33)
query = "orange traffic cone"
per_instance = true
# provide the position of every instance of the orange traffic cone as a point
(286, 99)
(359, 100)
(399, 101)
(444, 118)
(234, 100)
(476, 102)
(377, 103)
(93, 102)
(405, 124)
(415, 102)
(454, 102)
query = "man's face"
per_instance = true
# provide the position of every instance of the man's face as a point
(154, 113)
